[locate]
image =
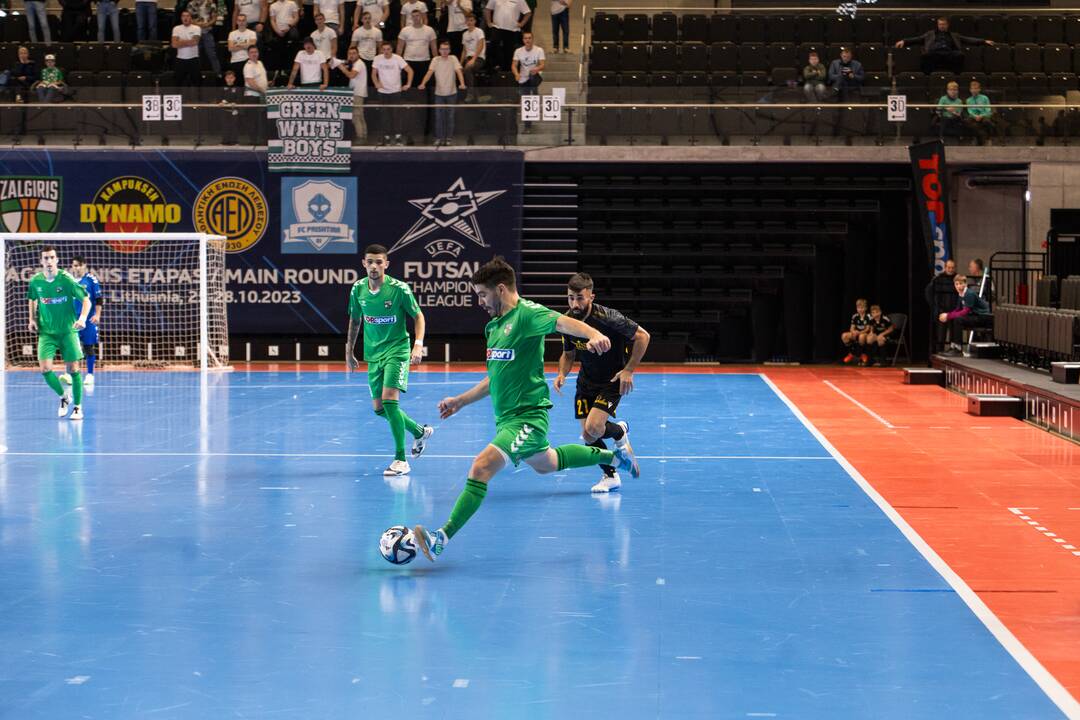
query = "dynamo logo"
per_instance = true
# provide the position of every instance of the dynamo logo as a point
(500, 354)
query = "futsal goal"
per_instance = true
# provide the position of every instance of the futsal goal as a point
(163, 297)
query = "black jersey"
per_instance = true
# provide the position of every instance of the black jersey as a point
(618, 328)
(881, 324)
(860, 322)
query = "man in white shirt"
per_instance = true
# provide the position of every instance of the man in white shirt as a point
(379, 10)
(239, 41)
(408, 8)
(366, 39)
(386, 73)
(325, 37)
(455, 11)
(416, 44)
(354, 69)
(332, 12)
(507, 17)
(527, 66)
(254, 12)
(473, 52)
(560, 20)
(311, 65)
(185, 40)
(255, 83)
(284, 15)
(448, 80)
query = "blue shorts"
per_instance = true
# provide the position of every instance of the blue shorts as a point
(89, 335)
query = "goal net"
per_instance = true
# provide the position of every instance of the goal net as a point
(163, 297)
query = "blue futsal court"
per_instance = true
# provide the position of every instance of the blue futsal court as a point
(188, 555)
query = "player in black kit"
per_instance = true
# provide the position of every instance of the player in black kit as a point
(603, 379)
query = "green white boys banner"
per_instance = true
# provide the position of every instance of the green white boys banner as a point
(310, 130)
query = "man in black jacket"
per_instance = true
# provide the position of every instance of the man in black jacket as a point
(74, 20)
(943, 49)
(941, 297)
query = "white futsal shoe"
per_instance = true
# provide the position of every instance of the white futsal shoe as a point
(420, 443)
(398, 467)
(607, 484)
(65, 403)
(88, 382)
(76, 413)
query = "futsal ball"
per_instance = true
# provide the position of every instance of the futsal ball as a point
(397, 545)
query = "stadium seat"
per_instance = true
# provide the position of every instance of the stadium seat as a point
(15, 28)
(1057, 58)
(90, 56)
(1072, 30)
(1027, 58)
(992, 27)
(1062, 83)
(694, 56)
(869, 28)
(781, 29)
(664, 57)
(82, 83)
(967, 77)
(663, 85)
(665, 27)
(694, 28)
(693, 79)
(752, 57)
(937, 83)
(1049, 29)
(781, 55)
(751, 29)
(1004, 84)
(1020, 28)
(602, 79)
(1033, 85)
(634, 57)
(997, 59)
(606, 28)
(871, 55)
(722, 28)
(1076, 60)
(964, 24)
(810, 29)
(906, 59)
(723, 79)
(723, 57)
(904, 26)
(633, 80)
(604, 57)
(117, 57)
(840, 29)
(911, 83)
(783, 76)
(635, 28)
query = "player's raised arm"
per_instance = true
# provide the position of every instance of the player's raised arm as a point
(449, 406)
(597, 342)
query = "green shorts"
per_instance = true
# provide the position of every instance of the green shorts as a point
(69, 346)
(392, 372)
(523, 436)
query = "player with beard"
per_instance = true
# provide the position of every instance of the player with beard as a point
(604, 378)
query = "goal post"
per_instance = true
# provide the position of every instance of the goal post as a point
(163, 297)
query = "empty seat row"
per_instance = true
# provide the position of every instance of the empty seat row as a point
(1043, 331)
(822, 27)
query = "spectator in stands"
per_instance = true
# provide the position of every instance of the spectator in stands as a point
(255, 14)
(980, 118)
(408, 8)
(366, 39)
(456, 11)
(528, 65)
(854, 338)
(507, 17)
(239, 41)
(448, 80)
(950, 111)
(185, 40)
(971, 313)
(51, 88)
(387, 69)
(880, 335)
(942, 49)
(325, 37)
(941, 297)
(976, 273)
(560, 22)
(473, 51)
(204, 14)
(284, 15)
(74, 20)
(416, 44)
(356, 71)
(230, 91)
(23, 74)
(146, 21)
(846, 75)
(814, 76)
(332, 11)
(379, 11)
(108, 13)
(36, 16)
(311, 66)
(255, 82)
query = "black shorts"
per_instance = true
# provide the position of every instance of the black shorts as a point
(589, 395)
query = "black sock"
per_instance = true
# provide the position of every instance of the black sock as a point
(608, 470)
(613, 431)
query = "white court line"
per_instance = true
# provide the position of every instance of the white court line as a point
(865, 409)
(1042, 677)
(383, 455)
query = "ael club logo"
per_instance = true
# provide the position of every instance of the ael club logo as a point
(454, 209)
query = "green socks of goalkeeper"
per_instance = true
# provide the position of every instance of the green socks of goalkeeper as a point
(467, 504)
(399, 424)
(579, 456)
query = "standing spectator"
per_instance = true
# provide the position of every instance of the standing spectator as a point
(255, 82)
(950, 111)
(325, 37)
(527, 66)
(416, 44)
(74, 20)
(527, 27)
(284, 15)
(311, 64)
(560, 21)
(507, 17)
(107, 12)
(254, 12)
(941, 298)
(366, 39)
(473, 50)
(980, 117)
(185, 40)
(814, 76)
(379, 11)
(231, 94)
(456, 11)
(846, 75)
(332, 12)
(355, 69)
(448, 80)
(230, 91)
(978, 278)
(204, 15)
(52, 87)
(23, 74)
(971, 312)
(387, 69)
(37, 16)
(408, 8)
(239, 41)
(146, 21)
(943, 49)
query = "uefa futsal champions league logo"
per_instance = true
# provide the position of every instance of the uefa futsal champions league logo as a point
(319, 216)
(455, 209)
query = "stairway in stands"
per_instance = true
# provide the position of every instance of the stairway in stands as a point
(549, 231)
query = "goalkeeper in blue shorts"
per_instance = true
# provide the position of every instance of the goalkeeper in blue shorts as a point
(88, 336)
(519, 395)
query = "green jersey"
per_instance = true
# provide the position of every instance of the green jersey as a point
(56, 312)
(950, 107)
(978, 106)
(515, 359)
(383, 315)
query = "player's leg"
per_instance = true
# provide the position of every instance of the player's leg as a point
(396, 376)
(862, 340)
(88, 336)
(71, 352)
(847, 338)
(47, 347)
(595, 432)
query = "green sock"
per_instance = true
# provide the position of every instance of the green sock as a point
(397, 427)
(578, 456)
(53, 382)
(381, 413)
(76, 388)
(414, 428)
(467, 504)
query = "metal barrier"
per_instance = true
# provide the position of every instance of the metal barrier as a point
(1015, 275)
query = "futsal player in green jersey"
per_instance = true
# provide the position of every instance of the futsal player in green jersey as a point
(519, 394)
(380, 304)
(52, 293)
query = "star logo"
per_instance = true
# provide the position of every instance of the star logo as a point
(455, 209)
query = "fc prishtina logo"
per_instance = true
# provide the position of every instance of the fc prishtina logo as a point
(454, 209)
(318, 216)
(30, 204)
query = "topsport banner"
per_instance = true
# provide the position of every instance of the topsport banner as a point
(295, 242)
(932, 196)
